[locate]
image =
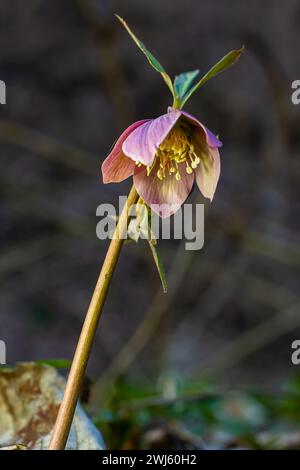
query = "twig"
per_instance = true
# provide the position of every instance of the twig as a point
(82, 353)
(256, 338)
(48, 147)
(27, 253)
(157, 309)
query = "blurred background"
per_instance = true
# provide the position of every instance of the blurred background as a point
(74, 81)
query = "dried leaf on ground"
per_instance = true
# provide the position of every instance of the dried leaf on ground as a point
(30, 396)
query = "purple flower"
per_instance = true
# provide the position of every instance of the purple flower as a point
(165, 155)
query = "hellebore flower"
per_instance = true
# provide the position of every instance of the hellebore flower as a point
(165, 155)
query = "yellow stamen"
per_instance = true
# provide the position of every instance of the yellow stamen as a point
(188, 168)
(160, 174)
(177, 148)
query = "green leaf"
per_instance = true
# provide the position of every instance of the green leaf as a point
(57, 363)
(184, 82)
(151, 59)
(159, 264)
(230, 59)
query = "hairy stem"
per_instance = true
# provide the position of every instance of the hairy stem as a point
(84, 346)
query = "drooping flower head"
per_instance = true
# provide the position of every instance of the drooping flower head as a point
(167, 154)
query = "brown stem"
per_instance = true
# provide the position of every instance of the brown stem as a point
(84, 346)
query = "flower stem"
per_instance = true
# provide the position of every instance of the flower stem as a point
(84, 346)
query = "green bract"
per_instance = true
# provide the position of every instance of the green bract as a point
(184, 82)
(183, 86)
(227, 61)
(151, 59)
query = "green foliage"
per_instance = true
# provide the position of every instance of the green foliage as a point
(227, 61)
(200, 412)
(183, 87)
(184, 82)
(57, 363)
(150, 57)
(159, 264)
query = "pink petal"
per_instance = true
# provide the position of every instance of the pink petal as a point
(142, 144)
(117, 167)
(163, 196)
(211, 139)
(208, 172)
